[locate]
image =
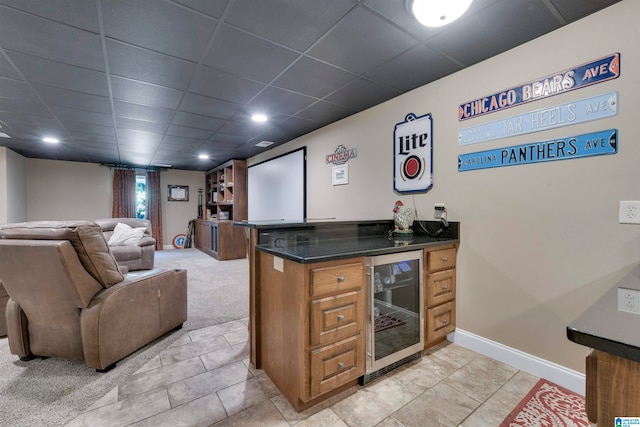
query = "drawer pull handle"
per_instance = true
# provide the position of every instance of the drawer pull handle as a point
(341, 279)
(340, 365)
(340, 317)
(444, 321)
(445, 259)
(445, 288)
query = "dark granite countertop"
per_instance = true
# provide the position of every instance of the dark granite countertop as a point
(603, 327)
(316, 241)
(328, 250)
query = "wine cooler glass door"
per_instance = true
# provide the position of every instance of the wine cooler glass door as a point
(395, 308)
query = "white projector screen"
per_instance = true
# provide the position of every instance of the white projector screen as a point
(277, 188)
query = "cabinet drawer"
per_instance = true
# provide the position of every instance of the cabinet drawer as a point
(441, 320)
(336, 365)
(441, 259)
(441, 287)
(335, 318)
(338, 278)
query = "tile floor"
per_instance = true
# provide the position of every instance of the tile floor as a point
(205, 379)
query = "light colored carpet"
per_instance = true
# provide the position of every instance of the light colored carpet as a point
(52, 392)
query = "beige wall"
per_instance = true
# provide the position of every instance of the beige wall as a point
(58, 190)
(176, 215)
(539, 242)
(13, 198)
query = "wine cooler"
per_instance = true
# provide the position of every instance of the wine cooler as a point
(395, 311)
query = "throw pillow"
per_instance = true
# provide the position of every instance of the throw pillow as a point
(125, 235)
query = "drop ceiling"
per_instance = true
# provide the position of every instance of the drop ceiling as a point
(156, 83)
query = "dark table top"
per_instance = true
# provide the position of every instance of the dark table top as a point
(603, 327)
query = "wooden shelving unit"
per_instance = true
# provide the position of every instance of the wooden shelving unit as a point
(226, 200)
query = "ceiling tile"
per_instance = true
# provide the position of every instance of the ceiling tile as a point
(218, 108)
(187, 132)
(143, 112)
(16, 90)
(570, 12)
(274, 100)
(143, 125)
(144, 93)
(159, 26)
(305, 20)
(360, 41)
(197, 121)
(50, 40)
(85, 128)
(179, 141)
(222, 85)
(56, 74)
(81, 14)
(151, 67)
(362, 94)
(312, 77)
(325, 112)
(93, 140)
(243, 129)
(247, 56)
(26, 106)
(69, 114)
(526, 22)
(414, 68)
(220, 138)
(7, 71)
(78, 100)
(211, 8)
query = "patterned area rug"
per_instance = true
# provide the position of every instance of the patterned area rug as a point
(549, 405)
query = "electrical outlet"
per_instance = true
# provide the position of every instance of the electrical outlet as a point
(439, 210)
(629, 212)
(629, 300)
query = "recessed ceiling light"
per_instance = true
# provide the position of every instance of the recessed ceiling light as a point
(51, 140)
(203, 157)
(264, 144)
(4, 135)
(259, 118)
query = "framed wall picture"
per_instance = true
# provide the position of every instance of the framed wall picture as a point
(178, 193)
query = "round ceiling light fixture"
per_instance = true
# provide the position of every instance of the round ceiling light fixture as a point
(203, 156)
(436, 13)
(50, 140)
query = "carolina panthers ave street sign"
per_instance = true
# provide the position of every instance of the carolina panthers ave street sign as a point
(413, 155)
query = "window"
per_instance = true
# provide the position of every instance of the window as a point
(141, 196)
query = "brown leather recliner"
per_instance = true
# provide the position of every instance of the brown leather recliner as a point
(69, 299)
(135, 257)
(4, 297)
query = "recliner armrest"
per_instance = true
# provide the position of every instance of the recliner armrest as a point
(147, 241)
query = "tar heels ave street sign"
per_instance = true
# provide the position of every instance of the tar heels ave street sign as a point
(571, 113)
(573, 147)
(412, 154)
(598, 71)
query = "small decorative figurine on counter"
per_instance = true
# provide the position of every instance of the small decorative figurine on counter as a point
(403, 219)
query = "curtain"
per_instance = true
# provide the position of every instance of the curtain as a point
(154, 207)
(124, 194)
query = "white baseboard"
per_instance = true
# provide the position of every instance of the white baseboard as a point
(167, 247)
(531, 364)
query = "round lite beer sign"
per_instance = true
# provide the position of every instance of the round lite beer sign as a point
(412, 155)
